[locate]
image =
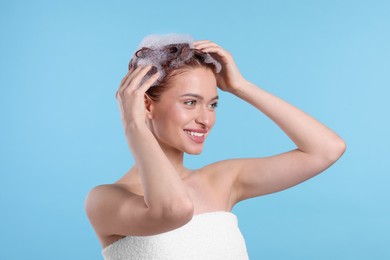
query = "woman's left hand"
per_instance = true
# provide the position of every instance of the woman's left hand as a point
(229, 78)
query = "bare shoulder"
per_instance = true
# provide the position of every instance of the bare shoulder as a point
(106, 193)
(102, 197)
(221, 176)
(103, 192)
(225, 170)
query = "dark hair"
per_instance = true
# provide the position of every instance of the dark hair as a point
(170, 60)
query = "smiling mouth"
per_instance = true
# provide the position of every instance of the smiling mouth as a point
(196, 136)
(192, 133)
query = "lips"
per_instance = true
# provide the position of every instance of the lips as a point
(198, 135)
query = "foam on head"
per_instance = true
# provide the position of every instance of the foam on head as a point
(168, 52)
(158, 41)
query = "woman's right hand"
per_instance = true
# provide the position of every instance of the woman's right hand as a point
(131, 95)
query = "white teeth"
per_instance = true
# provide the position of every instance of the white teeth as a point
(194, 133)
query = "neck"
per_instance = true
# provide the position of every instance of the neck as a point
(176, 157)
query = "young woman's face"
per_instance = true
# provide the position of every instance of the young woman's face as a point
(185, 113)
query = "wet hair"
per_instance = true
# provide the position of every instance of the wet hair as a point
(170, 55)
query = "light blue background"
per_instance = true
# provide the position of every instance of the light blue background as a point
(61, 63)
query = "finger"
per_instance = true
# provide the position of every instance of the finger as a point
(123, 80)
(122, 84)
(135, 78)
(206, 44)
(134, 84)
(126, 79)
(133, 74)
(219, 54)
(149, 82)
(201, 41)
(128, 75)
(131, 70)
(213, 49)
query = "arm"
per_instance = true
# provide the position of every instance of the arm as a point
(310, 136)
(163, 188)
(164, 191)
(165, 205)
(318, 147)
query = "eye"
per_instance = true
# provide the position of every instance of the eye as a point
(214, 105)
(190, 102)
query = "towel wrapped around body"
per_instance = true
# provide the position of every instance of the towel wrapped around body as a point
(208, 236)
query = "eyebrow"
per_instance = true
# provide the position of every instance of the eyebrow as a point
(197, 96)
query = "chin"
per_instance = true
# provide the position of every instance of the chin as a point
(194, 152)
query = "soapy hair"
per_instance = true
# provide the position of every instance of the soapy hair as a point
(170, 55)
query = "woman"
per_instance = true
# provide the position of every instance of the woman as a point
(162, 210)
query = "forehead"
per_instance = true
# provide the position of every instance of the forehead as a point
(197, 80)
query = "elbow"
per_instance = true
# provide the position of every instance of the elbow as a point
(180, 211)
(186, 212)
(336, 150)
(184, 209)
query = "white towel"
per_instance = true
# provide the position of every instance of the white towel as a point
(208, 236)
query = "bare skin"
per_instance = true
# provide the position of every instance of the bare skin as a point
(158, 146)
(207, 196)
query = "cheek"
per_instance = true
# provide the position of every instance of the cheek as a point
(179, 114)
(213, 119)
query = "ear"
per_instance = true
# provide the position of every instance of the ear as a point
(149, 106)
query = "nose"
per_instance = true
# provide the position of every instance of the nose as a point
(204, 117)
